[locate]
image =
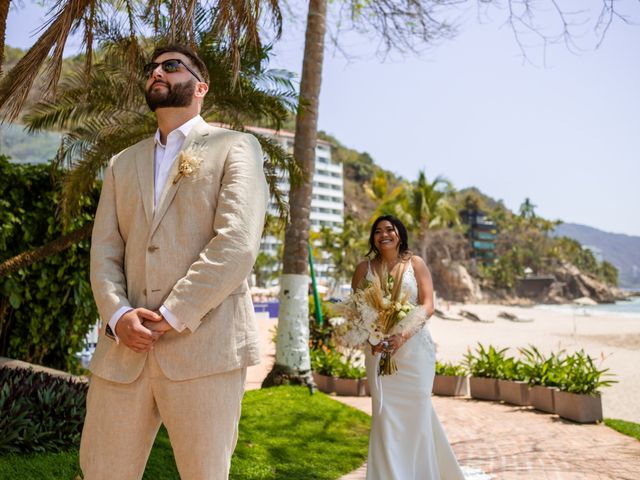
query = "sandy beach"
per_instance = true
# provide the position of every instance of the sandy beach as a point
(611, 338)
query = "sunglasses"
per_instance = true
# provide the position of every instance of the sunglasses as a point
(168, 66)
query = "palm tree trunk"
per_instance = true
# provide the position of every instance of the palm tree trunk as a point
(292, 344)
(58, 245)
(4, 13)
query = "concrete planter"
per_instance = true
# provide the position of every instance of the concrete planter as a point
(350, 387)
(543, 398)
(324, 383)
(514, 392)
(484, 388)
(579, 408)
(450, 385)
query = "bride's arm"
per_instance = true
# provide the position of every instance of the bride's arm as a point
(359, 274)
(425, 284)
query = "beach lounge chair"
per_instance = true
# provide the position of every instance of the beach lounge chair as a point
(445, 316)
(514, 318)
(473, 317)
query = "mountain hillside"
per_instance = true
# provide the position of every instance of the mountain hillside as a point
(25, 147)
(623, 251)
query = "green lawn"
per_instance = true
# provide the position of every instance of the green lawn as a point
(622, 426)
(284, 434)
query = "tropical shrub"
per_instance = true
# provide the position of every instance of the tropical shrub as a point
(511, 369)
(321, 335)
(486, 362)
(47, 308)
(450, 369)
(347, 368)
(324, 361)
(333, 364)
(579, 374)
(538, 369)
(39, 412)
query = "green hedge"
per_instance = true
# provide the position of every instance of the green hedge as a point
(46, 309)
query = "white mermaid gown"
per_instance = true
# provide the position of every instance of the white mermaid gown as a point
(407, 441)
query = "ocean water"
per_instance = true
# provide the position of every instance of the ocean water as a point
(630, 308)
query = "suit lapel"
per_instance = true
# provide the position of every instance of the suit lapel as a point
(196, 137)
(146, 177)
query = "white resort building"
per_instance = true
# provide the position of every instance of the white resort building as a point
(327, 203)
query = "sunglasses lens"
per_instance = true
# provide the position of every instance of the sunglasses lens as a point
(171, 66)
(149, 68)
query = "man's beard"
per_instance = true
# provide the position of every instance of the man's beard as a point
(178, 95)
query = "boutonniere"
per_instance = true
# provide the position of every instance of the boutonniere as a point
(189, 162)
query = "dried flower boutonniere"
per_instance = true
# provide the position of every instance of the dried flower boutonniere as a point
(189, 162)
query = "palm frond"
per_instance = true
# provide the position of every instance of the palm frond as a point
(105, 122)
(237, 22)
(15, 87)
(277, 165)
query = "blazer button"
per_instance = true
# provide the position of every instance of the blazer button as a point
(144, 292)
(152, 248)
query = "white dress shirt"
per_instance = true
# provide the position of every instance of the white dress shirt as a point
(163, 158)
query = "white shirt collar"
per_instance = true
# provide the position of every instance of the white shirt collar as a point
(184, 129)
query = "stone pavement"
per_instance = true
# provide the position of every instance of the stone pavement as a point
(508, 442)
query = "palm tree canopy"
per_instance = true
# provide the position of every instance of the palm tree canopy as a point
(428, 203)
(236, 23)
(107, 112)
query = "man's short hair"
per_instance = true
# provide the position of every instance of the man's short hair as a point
(194, 59)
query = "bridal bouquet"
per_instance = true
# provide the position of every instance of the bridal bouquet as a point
(376, 311)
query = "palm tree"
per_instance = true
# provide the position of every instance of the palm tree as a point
(292, 345)
(428, 205)
(237, 23)
(345, 247)
(102, 123)
(527, 210)
(4, 13)
(382, 190)
(399, 27)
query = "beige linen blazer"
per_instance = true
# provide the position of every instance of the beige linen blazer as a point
(193, 254)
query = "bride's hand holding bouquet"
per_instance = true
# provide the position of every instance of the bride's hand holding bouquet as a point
(379, 314)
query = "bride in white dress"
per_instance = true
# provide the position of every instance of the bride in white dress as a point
(407, 441)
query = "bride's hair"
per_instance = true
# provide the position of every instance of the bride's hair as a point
(401, 230)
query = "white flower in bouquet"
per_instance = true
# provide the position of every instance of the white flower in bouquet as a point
(376, 337)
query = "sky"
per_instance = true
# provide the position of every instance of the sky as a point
(564, 133)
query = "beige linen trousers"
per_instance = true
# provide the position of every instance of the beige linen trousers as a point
(192, 253)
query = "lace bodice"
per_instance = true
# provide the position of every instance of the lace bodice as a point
(409, 283)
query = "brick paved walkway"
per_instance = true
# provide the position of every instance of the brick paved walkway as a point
(511, 443)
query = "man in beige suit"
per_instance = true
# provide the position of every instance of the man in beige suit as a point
(176, 234)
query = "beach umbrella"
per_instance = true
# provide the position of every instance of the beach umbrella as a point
(581, 302)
